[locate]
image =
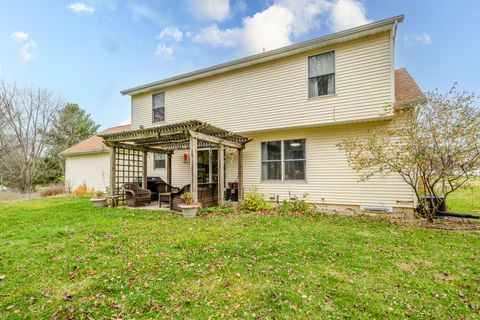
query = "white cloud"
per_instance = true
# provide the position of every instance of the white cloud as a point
(81, 7)
(347, 14)
(19, 36)
(26, 51)
(268, 29)
(284, 20)
(210, 10)
(306, 13)
(142, 10)
(421, 38)
(217, 37)
(164, 51)
(171, 32)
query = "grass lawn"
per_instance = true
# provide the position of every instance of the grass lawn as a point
(466, 200)
(62, 259)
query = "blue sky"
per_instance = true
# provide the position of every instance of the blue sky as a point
(88, 50)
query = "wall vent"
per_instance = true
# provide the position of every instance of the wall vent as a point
(378, 209)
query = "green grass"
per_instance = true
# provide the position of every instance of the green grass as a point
(465, 200)
(63, 259)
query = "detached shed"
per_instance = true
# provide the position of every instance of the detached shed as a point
(89, 162)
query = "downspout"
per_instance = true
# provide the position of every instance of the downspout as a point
(392, 41)
(392, 58)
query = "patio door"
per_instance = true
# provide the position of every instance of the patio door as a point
(207, 165)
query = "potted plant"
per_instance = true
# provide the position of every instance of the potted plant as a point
(99, 200)
(189, 207)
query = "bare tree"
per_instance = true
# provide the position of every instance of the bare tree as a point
(25, 115)
(435, 147)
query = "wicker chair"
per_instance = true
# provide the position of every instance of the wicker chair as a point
(165, 193)
(175, 198)
(136, 196)
(207, 196)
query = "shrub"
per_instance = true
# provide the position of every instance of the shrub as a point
(187, 198)
(100, 194)
(83, 191)
(254, 202)
(295, 207)
(52, 190)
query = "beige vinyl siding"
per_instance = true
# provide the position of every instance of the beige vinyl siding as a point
(329, 181)
(275, 94)
(329, 178)
(92, 169)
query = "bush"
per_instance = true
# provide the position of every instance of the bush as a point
(100, 194)
(83, 191)
(52, 190)
(295, 207)
(187, 198)
(254, 202)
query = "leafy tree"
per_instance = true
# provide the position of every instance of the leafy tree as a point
(72, 125)
(435, 148)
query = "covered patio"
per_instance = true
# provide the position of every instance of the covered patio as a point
(129, 151)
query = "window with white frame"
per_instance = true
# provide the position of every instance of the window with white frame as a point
(283, 160)
(321, 74)
(159, 161)
(158, 107)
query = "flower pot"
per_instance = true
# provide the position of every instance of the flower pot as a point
(189, 211)
(99, 203)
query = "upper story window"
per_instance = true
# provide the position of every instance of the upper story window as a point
(321, 74)
(159, 161)
(158, 107)
(284, 160)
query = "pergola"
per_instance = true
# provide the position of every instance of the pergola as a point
(129, 149)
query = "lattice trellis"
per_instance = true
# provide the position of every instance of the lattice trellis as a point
(128, 168)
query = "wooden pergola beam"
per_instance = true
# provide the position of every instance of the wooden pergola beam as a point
(132, 137)
(193, 169)
(169, 169)
(113, 168)
(221, 170)
(144, 170)
(212, 139)
(240, 175)
(139, 148)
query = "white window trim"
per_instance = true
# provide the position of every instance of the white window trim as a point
(308, 78)
(283, 180)
(164, 108)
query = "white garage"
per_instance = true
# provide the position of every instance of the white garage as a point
(89, 162)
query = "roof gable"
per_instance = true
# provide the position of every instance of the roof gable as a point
(406, 89)
(93, 144)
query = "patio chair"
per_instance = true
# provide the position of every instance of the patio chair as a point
(136, 196)
(175, 198)
(207, 194)
(164, 191)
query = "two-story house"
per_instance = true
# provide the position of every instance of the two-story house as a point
(294, 104)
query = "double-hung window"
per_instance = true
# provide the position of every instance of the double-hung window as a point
(159, 161)
(321, 74)
(158, 107)
(283, 160)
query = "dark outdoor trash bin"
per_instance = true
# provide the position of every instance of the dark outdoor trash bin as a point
(436, 201)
